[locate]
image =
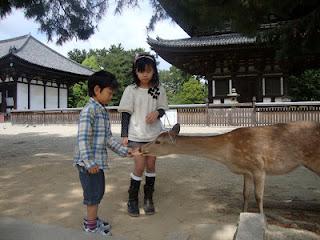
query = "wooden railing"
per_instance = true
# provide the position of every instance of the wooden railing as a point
(248, 114)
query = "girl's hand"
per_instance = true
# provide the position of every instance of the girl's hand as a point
(125, 141)
(152, 117)
(93, 170)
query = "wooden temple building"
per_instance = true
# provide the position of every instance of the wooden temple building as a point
(237, 67)
(35, 77)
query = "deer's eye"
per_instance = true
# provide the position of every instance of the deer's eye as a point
(157, 142)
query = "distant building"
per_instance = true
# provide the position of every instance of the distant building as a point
(33, 76)
(233, 64)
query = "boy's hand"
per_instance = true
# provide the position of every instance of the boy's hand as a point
(125, 141)
(132, 152)
(93, 170)
(151, 117)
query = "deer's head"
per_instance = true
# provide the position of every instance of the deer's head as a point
(164, 144)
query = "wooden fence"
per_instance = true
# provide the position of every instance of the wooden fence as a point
(256, 114)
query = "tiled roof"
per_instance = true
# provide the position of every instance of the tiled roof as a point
(204, 41)
(31, 50)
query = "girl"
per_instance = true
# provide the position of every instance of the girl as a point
(142, 105)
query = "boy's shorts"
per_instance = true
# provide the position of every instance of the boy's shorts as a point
(93, 186)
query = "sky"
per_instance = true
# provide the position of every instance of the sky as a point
(129, 29)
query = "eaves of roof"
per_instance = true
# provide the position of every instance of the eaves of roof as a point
(33, 51)
(204, 41)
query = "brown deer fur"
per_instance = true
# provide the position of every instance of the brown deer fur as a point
(253, 152)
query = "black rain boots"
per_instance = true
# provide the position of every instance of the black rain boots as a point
(148, 192)
(133, 203)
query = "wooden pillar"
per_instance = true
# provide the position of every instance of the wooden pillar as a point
(15, 89)
(263, 86)
(44, 94)
(3, 98)
(210, 89)
(58, 84)
(29, 88)
(68, 92)
(259, 65)
(233, 66)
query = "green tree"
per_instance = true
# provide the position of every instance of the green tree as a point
(172, 80)
(192, 92)
(77, 55)
(92, 62)
(79, 95)
(305, 87)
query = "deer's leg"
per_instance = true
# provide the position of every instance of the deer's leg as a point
(258, 179)
(247, 183)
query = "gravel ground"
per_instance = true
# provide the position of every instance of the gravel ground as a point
(195, 198)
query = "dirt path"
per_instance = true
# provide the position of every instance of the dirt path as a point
(195, 198)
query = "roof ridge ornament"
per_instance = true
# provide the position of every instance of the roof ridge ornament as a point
(13, 49)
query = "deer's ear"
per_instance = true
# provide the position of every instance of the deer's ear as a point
(176, 129)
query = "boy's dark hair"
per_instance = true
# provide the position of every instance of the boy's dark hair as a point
(103, 79)
(140, 62)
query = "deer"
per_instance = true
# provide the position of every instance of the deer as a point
(253, 152)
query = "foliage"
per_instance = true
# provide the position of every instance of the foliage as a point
(305, 87)
(172, 80)
(92, 62)
(192, 92)
(77, 55)
(65, 19)
(79, 95)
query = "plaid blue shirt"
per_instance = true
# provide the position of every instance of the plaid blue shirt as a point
(94, 136)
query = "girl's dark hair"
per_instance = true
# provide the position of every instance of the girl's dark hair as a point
(140, 62)
(103, 79)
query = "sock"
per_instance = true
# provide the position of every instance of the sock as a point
(134, 177)
(91, 224)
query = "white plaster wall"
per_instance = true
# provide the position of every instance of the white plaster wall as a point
(51, 97)
(22, 96)
(63, 98)
(266, 99)
(36, 97)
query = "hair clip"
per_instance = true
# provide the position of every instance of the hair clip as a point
(137, 57)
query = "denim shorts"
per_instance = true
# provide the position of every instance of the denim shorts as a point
(93, 186)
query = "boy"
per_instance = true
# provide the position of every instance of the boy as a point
(94, 135)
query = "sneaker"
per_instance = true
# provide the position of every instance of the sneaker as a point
(99, 230)
(100, 223)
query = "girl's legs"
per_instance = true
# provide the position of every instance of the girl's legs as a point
(151, 164)
(139, 165)
(133, 202)
(149, 186)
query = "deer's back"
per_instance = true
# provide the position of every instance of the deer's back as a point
(276, 149)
